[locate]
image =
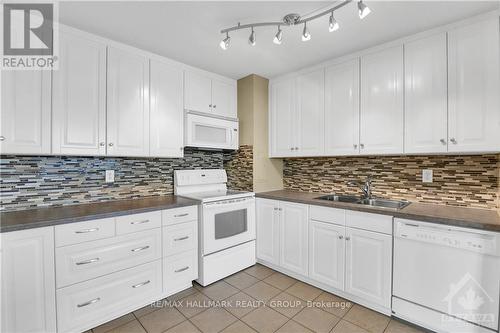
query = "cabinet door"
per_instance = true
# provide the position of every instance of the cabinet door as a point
(167, 114)
(267, 217)
(474, 116)
(342, 109)
(426, 110)
(369, 265)
(25, 114)
(79, 97)
(28, 281)
(310, 113)
(382, 102)
(282, 122)
(128, 103)
(197, 92)
(293, 237)
(224, 99)
(327, 253)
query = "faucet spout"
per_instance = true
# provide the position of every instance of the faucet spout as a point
(366, 187)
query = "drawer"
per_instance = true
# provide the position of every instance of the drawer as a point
(329, 215)
(74, 233)
(179, 271)
(138, 222)
(179, 238)
(369, 221)
(89, 260)
(88, 304)
(179, 215)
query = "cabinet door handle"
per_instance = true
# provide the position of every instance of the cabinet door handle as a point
(85, 231)
(102, 144)
(362, 145)
(141, 284)
(355, 146)
(443, 141)
(2, 138)
(348, 238)
(215, 106)
(139, 222)
(341, 237)
(95, 300)
(182, 269)
(181, 238)
(181, 215)
(86, 262)
(110, 144)
(142, 248)
(453, 140)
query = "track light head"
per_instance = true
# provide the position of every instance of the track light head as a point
(334, 25)
(305, 33)
(224, 44)
(363, 10)
(278, 38)
(251, 39)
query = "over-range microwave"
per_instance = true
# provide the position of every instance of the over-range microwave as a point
(210, 132)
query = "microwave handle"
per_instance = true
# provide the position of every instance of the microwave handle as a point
(231, 142)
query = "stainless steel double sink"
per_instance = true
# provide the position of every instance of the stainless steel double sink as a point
(374, 202)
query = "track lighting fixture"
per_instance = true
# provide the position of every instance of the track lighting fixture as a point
(278, 37)
(305, 33)
(224, 44)
(251, 39)
(363, 10)
(334, 25)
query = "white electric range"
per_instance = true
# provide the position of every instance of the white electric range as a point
(226, 223)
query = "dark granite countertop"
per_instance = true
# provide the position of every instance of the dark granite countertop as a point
(43, 217)
(484, 219)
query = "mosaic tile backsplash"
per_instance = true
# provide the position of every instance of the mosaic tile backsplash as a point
(239, 167)
(469, 181)
(30, 182)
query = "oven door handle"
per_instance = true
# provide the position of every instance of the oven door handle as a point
(231, 202)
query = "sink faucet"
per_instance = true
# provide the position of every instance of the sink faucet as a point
(366, 187)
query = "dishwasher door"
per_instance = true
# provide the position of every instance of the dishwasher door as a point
(452, 270)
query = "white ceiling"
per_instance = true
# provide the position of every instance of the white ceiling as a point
(189, 31)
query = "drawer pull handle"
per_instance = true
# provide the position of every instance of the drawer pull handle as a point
(139, 222)
(182, 269)
(141, 284)
(88, 261)
(95, 300)
(181, 215)
(181, 238)
(137, 249)
(84, 231)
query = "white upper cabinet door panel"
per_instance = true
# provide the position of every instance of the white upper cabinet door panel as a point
(282, 118)
(426, 95)
(167, 114)
(128, 103)
(79, 97)
(474, 108)
(197, 92)
(310, 113)
(342, 109)
(382, 102)
(224, 99)
(294, 237)
(25, 113)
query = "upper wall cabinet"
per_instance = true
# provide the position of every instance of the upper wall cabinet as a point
(342, 109)
(128, 103)
(473, 76)
(25, 115)
(166, 117)
(79, 97)
(282, 136)
(212, 96)
(425, 95)
(381, 118)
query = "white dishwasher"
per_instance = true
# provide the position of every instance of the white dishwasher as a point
(446, 278)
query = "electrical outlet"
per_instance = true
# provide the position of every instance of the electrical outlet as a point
(110, 176)
(426, 176)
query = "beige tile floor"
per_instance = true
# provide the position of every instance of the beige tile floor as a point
(236, 304)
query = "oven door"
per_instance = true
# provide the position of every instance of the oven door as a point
(227, 223)
(210, 132)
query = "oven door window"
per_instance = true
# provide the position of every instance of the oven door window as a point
(231, 223)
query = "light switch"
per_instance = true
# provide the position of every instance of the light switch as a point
(110, 176)
(427, 176)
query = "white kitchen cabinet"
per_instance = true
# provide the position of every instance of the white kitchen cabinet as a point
(79, 96)
(268, 229)
(166, 117)
(310, 116)
(282, 136)
(381, 117)
(426, 109)
(327, 253)
(197, 92)
(223, 99)
(473, 76)
(28, 281)
(294, 237)
(128, 103)
(342, 109)
(26, 112)
(369, 266)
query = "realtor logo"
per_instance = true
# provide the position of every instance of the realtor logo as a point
(29, 35)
